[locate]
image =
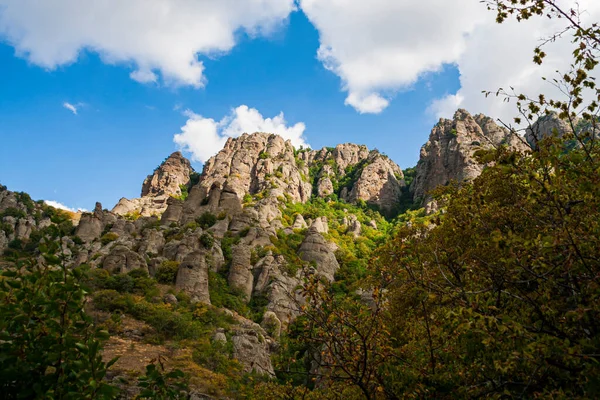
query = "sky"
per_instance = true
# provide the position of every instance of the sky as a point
(95, 94)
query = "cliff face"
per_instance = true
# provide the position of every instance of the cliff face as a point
(267, 166)
(166, 181)
(448, 154)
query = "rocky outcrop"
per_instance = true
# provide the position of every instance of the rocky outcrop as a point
(122, 260)
(240, 272)
(192, 277)
(380, 183)
(354, 174)
(91, 225)
(252, 350)
(167, 179)
(165, 182)
(259, 164)
(546, 126)
(314, 249)
(448, 154)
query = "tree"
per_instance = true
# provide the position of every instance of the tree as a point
(49, 346)
(500, 296)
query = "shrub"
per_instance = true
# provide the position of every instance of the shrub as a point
(132, 216)
(216, 356)
(7, 228)
(206, 220)
(108, 237)
(263, 155)
(159, 384)
(207, 240)
(13, 212)
(167, 272)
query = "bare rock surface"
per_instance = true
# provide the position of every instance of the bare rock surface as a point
(314, 249)
(192, 277)
(164, 183)
(449, 153)
(252, 350)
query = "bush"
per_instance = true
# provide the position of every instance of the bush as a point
(108, 237)
(7, 228)
(207, 240)
(136, 281)
(167, 272)
(206, 220)
(216, 356)
(13, 212)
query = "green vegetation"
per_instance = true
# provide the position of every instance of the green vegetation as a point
(160, 384)
(194, 179)
(132, 216)
(206, 220)
(207, 240)
(137, 281)
(108, 237)
(167, 272)
(50, 347)
(184, 192)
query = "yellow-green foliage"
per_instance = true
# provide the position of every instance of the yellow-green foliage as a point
(167, 272)
(132, 216)
(109, 237)
(180, 321)
(353, 253)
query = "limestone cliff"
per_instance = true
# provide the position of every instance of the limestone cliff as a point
(448, 155)
(165, 182)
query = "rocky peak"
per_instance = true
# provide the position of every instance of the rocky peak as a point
(168, 177)
(354, 173)
(251, 167)
(165, 182)
(547, 125)
(267, 166)
(448, 154)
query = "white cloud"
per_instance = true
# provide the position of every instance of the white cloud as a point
(204, 137)
(378, 47)
(500, 56)
(61, 206)
(143, 76)
(150, 35)
(70, 107)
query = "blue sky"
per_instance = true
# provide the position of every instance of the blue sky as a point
(124, 128)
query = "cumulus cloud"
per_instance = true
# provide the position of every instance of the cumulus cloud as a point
(70, 107)
(204, 137)
(381, 46)
(152, 36)
(61, 206)
(500, 56)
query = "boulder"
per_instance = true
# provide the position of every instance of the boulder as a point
(314, 249)
(240, 272)
(122, 260)
(251, 349)
(192, 277)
